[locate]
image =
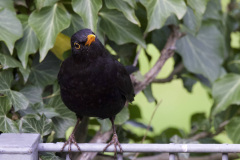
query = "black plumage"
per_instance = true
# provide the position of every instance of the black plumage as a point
(92, 82)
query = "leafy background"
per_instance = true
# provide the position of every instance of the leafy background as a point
(199, 87)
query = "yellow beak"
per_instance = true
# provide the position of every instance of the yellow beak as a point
(90, 39)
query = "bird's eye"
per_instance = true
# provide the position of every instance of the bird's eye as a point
(76, 45)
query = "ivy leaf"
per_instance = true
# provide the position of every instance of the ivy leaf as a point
(123, 7)
(9, 62)
(28, 44)
(47, 23)
(88, 10)
(132, 3)
(192, 20)
(148, 94)
(11, 28)
(6, 124)
(76, 24)
(33, 93)
(49, 156)
(65, 119)
(198, 6)
(119, 29)
(122, 116)
(226, 92)
(233, 129)
(213, 10)
(43, 3)
(8, 5)
(44, 73)
(61, 45)
(203, 54)
(18, 100)
(159, 10)
(36, 124)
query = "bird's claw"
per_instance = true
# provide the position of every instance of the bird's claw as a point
(116, 144)
(71, 140)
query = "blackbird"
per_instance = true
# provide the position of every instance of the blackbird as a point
(93, 83)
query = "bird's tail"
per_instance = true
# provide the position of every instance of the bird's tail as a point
(131, 69)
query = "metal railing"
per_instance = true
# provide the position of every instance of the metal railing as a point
(28, 145)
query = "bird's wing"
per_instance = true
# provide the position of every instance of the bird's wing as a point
(124, 82)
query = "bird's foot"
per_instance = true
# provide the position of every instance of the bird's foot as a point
(116, 144)
(71, 140)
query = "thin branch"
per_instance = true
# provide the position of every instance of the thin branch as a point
(209, 134)
(138, 53)
(148, 127)
(137, 56)
(176, 70)
(166, 53)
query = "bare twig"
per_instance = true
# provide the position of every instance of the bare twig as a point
(138, 53)
(178, 69)
(149, 124)
(166, 53)
(137, 56)
(209, 134)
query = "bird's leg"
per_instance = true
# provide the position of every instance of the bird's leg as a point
(71, 139)
(114, 140)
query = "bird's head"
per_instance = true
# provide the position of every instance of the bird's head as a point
(85, 44)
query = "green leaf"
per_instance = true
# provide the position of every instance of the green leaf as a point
(198, 6)
(76, 24)
(18, 100)
(11, 28)
(233, 129)
(132, 3)
(106, 124)
(123, 7)
(9, 62)
(203, 54)
(88, 10)
(226, 92)
(44, 73)
(33, 93)
(43, 3)
(148, 93)
(49, 156)
(27, 45)
(119, 29)
(7, 4)
(199, 122)
(192, 20)
(47, 23)
(122, 116)
(6, 124)
(36, 124)
(213, 10)
(65, 119)
(159, 10)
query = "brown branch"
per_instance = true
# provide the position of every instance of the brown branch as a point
(209, 134)
(166, 53)
(178, 69)
(98, 138)
(138, 52)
